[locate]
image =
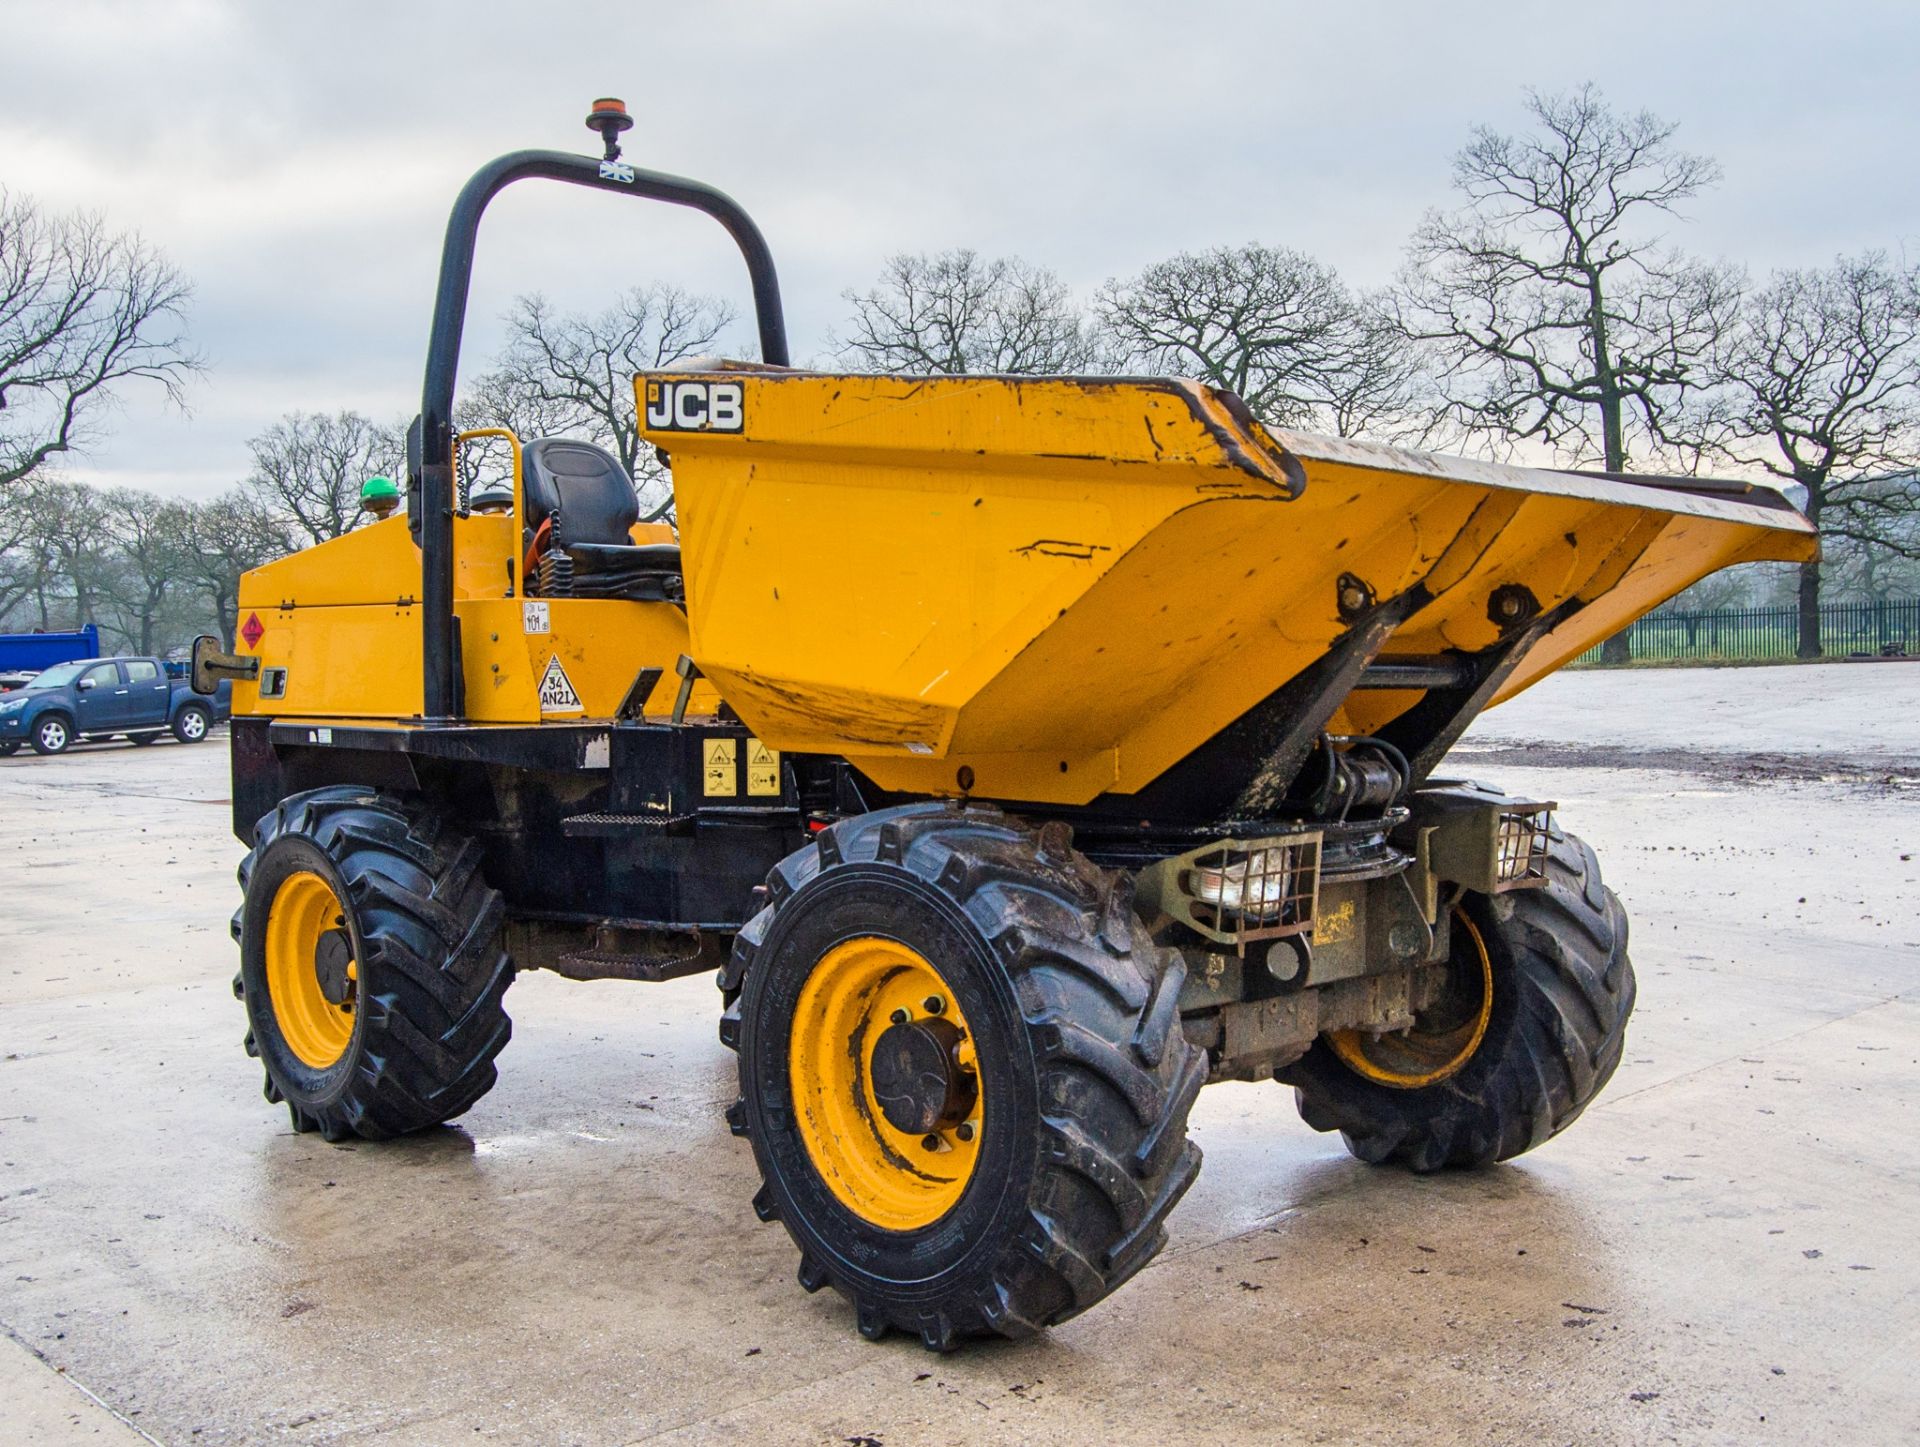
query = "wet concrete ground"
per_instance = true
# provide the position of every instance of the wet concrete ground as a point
(1721, 1250)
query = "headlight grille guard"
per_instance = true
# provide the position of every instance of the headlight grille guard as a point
(1239, 891)
(1520, 845)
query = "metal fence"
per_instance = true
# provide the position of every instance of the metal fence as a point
(1744, 635)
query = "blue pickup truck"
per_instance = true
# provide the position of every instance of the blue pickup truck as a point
(96, 698)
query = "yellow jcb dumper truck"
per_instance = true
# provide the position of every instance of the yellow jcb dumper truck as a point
(1020, 753)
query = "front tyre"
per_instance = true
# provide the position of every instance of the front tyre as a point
(52, 735)
(962, 1072)
(1528, 1029)
(370, 964)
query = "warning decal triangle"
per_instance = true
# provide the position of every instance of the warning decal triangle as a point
(556, 690)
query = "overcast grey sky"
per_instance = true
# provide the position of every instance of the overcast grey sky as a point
(297, 160)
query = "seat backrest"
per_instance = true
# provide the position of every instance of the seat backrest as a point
(585, 484)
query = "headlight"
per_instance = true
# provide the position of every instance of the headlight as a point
(12, 705)
(1521, 854)
(1234, 891)
(1255, 887)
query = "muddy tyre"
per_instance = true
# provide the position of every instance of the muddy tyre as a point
(1560, 990)
(962, 1072)
(371, 965)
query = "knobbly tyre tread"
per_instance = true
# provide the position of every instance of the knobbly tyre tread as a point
(1560, 955)
(1116, 1077)
(433, 971)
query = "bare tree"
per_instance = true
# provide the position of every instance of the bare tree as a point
(958, 312)
(1272, 325)
(308, 468)
(68, 550)
(1820, 386)
(1382, 388)
(1872, 572)
(22, 558)
(149, 537)
(1557, 316)
(150, 571)
(224, 538)
(504, 398)
(572, 373)
(83, 311)
(1728, 588)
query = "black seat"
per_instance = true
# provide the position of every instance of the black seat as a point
(585, 485)
(583, 498)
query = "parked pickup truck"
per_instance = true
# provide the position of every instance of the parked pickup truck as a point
(95, 698)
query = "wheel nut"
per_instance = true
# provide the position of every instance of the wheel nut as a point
(930, 1142)
(934, 1005)
(900, 1017)
(964, 1130)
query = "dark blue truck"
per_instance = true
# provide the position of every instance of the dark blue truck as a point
(25, 655)
(96, 698)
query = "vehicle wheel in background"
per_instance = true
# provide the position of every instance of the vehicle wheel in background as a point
(9, 748)
(371, 964)
(1528, 1031)
(192, 724)
(52, 735)
(142, 740)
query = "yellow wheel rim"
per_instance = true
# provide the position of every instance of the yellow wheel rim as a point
(304, 911)
(892, 1178)
(1431, 1050)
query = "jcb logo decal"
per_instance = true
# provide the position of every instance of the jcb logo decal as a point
(695, 407)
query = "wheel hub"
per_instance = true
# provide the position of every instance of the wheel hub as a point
(333, 966)
(917, 1078)
(311, 973)
(883, 1067)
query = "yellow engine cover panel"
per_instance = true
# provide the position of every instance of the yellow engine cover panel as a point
(1048, 588)
(343, 620)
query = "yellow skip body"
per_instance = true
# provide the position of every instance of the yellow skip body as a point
(1063, 586)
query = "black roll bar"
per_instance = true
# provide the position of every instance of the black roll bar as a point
(430, 491)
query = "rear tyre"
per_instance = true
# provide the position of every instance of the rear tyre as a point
(370, 965)
(190, 725)
(962, 1072)
(1500, 1072)
(53, 734)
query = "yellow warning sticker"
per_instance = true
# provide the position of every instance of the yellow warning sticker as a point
(763, 768)
(717, 772)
